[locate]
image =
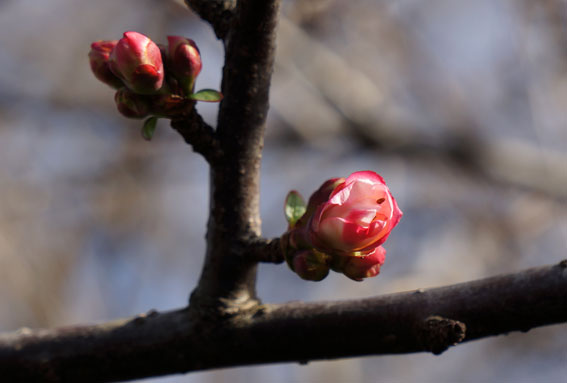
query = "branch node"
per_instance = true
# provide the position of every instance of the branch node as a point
(265, 250)
(437, 334)
(207, 309)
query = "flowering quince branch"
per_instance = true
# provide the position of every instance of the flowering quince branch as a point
(342, 228)
(151, 80)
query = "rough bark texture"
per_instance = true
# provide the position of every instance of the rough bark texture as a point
(164, 343)
(228, 278)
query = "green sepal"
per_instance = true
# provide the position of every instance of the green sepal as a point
(207, 95)
(294, 207)
(149, 128)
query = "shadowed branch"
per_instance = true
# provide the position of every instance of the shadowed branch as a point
(153, 344)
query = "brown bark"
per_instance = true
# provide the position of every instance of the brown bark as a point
(225, 324)
(228, 278)
(173, 342)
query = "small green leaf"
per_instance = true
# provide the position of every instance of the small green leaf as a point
(149, 128)
(294, 207)
(207, 95)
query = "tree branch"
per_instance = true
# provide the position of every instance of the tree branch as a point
(156, 344)
(228, 279)
(199, 135)
(218, 13)
(265, 250)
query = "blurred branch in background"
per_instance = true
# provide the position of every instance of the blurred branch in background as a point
(346, 101)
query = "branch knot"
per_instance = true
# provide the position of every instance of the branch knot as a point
(438, 333)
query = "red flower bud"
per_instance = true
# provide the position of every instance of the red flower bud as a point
(137, 61)
(130, 104)
(185, 61)
(358, 216)
(310, 265)
(99, 60)
(365, 267)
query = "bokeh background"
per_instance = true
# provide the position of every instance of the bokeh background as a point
(459, 104)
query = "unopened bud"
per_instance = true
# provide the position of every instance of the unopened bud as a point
(310, 265)
(185, 61)
(130, 104)
(99, 59)
(358, 216)
(319, 197)
(368, 266)
(137, 61)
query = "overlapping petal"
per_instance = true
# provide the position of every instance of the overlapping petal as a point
(137, 61)
(358, 217)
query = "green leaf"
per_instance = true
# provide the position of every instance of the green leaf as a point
(149, 128)
(207, 95)
(294, 207)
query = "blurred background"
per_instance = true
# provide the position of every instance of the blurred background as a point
(459, 104)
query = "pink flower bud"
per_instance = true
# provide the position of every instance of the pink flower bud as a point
(358, 216)
(130, 104)
(310, 265)
(98, 57)
(322, 194)
(365, 267)
(184, 60)
(319, 197)
(137, 61)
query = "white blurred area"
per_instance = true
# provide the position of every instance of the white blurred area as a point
(96, 223)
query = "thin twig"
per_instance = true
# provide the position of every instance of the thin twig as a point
(199, 135)
(265, 250)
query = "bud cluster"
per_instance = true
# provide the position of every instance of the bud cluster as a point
(150, 79)
(341, 228)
